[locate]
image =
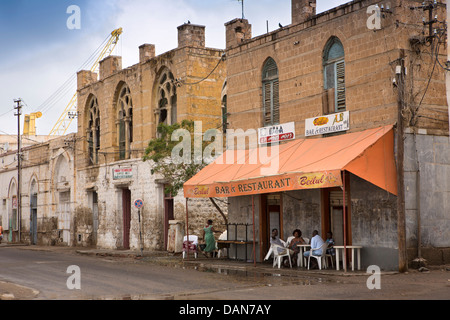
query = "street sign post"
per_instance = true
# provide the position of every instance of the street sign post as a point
(139, 203)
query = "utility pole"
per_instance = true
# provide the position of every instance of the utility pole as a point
(19, 167)
(401, 217)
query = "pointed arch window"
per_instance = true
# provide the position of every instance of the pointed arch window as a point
(271, 97)
(334, 77)
(224, 107)
(167, 99)
(124, 122)
(94, 130)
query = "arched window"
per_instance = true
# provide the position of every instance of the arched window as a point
(271, 100)
(224, 107)
(167, 99)
(124, 122)
(33, 211)
(94, 130)
(13, 219)
(334, 76)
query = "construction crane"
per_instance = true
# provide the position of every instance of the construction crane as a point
(29, 126)
(71, 112)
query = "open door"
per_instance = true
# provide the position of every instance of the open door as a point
(270, 218)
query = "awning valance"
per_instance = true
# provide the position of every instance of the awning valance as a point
(300, 164)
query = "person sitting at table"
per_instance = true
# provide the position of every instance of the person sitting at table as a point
(331, 243)
(294, 244)
(316, 242)
(275, 240)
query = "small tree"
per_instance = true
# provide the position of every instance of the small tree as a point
(161, 151)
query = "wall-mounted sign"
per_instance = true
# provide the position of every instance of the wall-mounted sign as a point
(277, 133)
(139, 203)
(122, 173)
(327, 124)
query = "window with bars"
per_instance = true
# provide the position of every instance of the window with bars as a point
(334, 77)
(271, 94)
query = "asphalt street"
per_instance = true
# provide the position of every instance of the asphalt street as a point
(44, 275)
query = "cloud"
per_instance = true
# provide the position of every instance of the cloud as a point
(35, 70)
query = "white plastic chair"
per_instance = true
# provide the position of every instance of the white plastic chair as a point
(191, 246)
(288, 241)
(278, 254)
(319, 258)
(306, 240)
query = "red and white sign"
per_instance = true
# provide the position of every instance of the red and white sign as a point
(277, 133)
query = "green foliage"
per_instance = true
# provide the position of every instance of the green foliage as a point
(159, 151)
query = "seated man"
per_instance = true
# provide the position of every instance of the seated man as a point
(274, 240)
(316, 242)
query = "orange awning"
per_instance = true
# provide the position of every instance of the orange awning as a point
(300, 164)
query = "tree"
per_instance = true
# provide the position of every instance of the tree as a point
(178, 161)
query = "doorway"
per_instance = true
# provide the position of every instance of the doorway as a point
(126, 209)
(333, 215)
(33, 219)
(270, 218)
(168, 215)
(93, 197)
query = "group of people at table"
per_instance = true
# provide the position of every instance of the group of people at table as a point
(296, 240)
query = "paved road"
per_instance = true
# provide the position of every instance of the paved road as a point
(124, 278)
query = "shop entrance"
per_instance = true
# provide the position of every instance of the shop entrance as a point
(333, 215)
(270, 218)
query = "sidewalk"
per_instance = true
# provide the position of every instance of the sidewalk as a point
(221, 265)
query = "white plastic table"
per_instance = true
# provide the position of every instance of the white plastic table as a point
(353, 248)
(300, 254)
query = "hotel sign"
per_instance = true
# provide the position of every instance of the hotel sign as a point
(277, 133)
(122, 173)
(327, 124)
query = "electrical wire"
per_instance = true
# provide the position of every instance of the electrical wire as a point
(215, 68)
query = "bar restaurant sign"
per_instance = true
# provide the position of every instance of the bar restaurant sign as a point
(280, 183)
(122, 173)
(328, 124)
(277, 133)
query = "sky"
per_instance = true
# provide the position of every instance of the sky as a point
(45, 42)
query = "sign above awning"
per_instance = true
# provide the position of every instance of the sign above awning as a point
(300, 164)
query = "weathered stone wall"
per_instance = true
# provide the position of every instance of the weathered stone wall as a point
(427, 190)
(374, 224)
(301, 210)
(42, 172)
(198, 99)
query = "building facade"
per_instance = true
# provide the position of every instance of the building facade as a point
(47, 194)
(118, 115)
(370, 64)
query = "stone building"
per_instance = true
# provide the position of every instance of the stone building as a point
(362, 64)
(119, 111)
(47, 193)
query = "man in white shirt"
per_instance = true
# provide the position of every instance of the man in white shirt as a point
(316, 242)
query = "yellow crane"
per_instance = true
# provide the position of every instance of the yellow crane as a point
(70, 113)
(29, 127)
